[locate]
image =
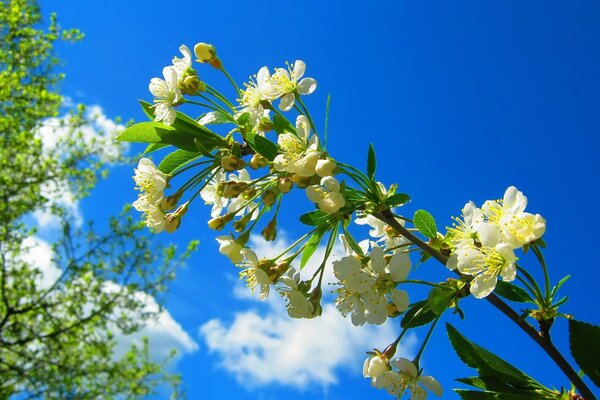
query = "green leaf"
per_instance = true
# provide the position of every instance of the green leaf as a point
(352, 242)
(154, 146)
(425, 223)
(371, 162)
(282, 125)
(176, 160)
(311, 246)
(418, 314)
(584, 341)
(144, 132)
(473, 395)
(147, 108)
(262, 145)
(559, 285)
(440, 298)
(215, 118)
(512, 292)
(397, 199)
(488, 364)
(314, 218)
(353, 197)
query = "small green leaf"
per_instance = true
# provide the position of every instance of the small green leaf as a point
(314, 218)
(425, 223)
(397, 199)
(440, 298)
(311, 246)
(353, 197)
(584, 341)
(559, 285)
(177, 159)
(215, 118)
(418, 314)
(282, 125)
(144, 132)
(352, 242)
(371, 162)
(262, 145)
(147, 108)
(512, 292)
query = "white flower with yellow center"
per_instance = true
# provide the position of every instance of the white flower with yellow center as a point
(406, 378)
(258, 90)
(327, 195)
(181, 65)
(229, 247)
(299, 152)
(167, 95)
(287, 84)
(210, 193)
(516, 226)
(298, 305)
(254, 275)
(367, 290)
(374, 366)
(150, 181)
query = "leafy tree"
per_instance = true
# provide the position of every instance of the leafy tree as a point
(57, 330)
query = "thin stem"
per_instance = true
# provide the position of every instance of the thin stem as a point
(190, 166)
(218, 95)
(420, 282)
(237, 89)
(543, 341)
(420, 353)
(537, 292)
(214, 103)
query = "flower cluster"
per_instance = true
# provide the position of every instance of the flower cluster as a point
(152, 201)
(404, 378)
(485, 239)
(368, 286)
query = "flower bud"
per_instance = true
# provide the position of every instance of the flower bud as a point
(269, 198)
(191, 85)
(169, 202)
(219, 223)
(258, 161)
(240, 224)
(232, 163)
(301, 181)
(325, 167)
(233, 189)
(264, 125)
(374, 366)
(284, 185)
(270, 231)
(206, 53)
(172, 222)
(332, 202)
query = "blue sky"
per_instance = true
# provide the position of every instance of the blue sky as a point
(460, 100)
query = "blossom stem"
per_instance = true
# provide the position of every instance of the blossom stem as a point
(201, 104)
(237, 89)
(217, 106)
(545, 342)
(431, 328)
(420, 282)
(296, 243)
(218, 95)
(537, 292)
(190, 167)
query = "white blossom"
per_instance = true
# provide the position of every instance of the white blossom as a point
(210, 193)
(167, 95)
(327, 195)
(255, 277)
(298, 305)
(406, 378)
(181, 65)
(374, 366)
(287, 84)
(229, 247)
(299, 152)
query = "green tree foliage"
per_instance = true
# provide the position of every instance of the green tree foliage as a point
(57, 331)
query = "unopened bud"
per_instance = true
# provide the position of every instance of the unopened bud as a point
(240, 224)
(169, 202)
(258, 161)
(284, 185)
(206, 53)
(269, 198)
(173, 220)
(232, 163)
(219, 223)
(264, 125)
(391, 232)
(232, 189)
(301, 181)
(192, 85)
(270, 231)
(325, 167)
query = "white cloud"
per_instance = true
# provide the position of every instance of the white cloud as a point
(98, 134)
(163, 332)
(261, 348)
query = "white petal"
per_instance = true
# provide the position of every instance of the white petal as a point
(400, 299)
(170, 77)
(298, 70)
(483, 285)
(432, 385)
(250, 256)
(489, 234)
(287, 102)
(377, 261)
(307, 86)
(405, 366)
(399, 266)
